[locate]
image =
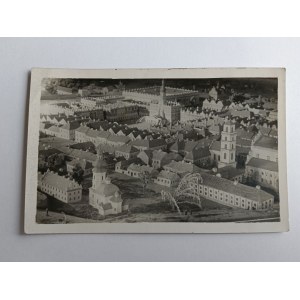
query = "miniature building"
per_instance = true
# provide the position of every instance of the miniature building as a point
(232, 193)
(167, 178)
(60, 187)
(103, 195)
(223, 152)
(85, 165)
(160, 107)
(228, 145)
(262, 162)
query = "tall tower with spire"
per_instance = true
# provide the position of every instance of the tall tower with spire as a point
(228, 145)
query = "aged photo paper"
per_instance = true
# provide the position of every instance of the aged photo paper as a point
(156, 151)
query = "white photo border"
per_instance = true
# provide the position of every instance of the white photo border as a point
(37, 74)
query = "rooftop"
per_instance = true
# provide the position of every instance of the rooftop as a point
(181, 167)
(168, 175)
(263, 164)
(238, 189)
(127, 149)
(60, 182)
(266, 142)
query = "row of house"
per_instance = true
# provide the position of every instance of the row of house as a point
(213, 187)
(212, 105)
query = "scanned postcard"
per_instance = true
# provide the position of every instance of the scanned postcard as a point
(156, 151)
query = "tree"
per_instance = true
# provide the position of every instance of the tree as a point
(77, 174)
(56, 160)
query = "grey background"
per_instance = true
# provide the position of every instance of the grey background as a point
(18, 56)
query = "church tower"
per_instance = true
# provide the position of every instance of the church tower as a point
(99, 171)
(228, 145)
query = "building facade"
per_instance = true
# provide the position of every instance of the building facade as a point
(60, 187)
(103, 195)
(262, 162)
(161, 108)
(228, 145)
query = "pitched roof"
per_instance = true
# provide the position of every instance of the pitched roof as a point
(149, 143)
(71, 126)
(230, 172)
(104, 125)
(158, 154)
(266, 142)
(198, 153)
(243, 134)
(82, 129)
(263, 164)
(243, 142)
(238, 189)
(168, 175)
(177, 146)
(118, 138)
(82, 154)
(182, 167)
(83, 146)
(45, 125)
(127, 149)
(215, 146)
(61, 182)
(54, 128)
(242, 150)
(190, 145)
(140, 168)
(125, 163)
(84, 164)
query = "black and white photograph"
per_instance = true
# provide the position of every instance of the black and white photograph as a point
(138, 150)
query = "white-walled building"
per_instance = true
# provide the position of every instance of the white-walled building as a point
(103, 195)
(232, 193)
(161, 108)
(223, 152)
(262, 162)
(60, 187)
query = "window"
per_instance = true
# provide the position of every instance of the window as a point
(225, 146)
(225, 138)
(224, 155)
(231, 156)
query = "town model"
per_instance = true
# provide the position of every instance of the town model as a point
(158, 150)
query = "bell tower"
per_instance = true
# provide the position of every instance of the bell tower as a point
(99, 170)
(228, 145)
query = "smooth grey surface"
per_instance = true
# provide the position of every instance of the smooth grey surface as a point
(18, 56)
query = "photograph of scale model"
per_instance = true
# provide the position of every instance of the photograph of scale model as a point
(158, 150)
